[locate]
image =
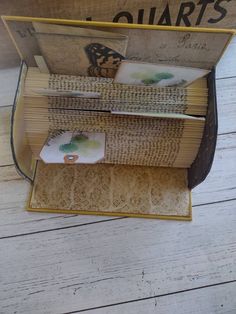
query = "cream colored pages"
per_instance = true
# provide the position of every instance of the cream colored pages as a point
(154, 129)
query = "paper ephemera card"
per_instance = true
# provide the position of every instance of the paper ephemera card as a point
(140, 73)
(80, 51)
(74, 147)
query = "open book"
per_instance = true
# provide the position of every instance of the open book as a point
(114, 119)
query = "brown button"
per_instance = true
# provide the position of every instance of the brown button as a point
(70, 159)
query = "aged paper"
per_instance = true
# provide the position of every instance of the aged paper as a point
(80, 51)
(114, 189)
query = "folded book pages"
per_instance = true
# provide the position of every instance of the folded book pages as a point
(133, 137)
(135, 145)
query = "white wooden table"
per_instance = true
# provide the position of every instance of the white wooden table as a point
(69, 264)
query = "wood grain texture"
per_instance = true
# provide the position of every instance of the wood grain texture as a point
(8, 83)
(210, 300)
(220, 184)
(13, 188)
(5, 151)
(227, 66)
(116, 261)
(15, 220)
(226, 104)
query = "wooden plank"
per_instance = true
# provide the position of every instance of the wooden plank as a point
(14, 190)
(211, 300)
(14, 220)
(17, 221)
(226, 104)
(8, 79)
(5, 151)
(117, 261)
(220, 184)
(227, 65)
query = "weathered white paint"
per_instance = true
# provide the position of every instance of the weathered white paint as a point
(213, 300)
(8, 83)
(227, 65)
(116, 261)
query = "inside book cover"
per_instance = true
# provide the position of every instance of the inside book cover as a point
(109, 120)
